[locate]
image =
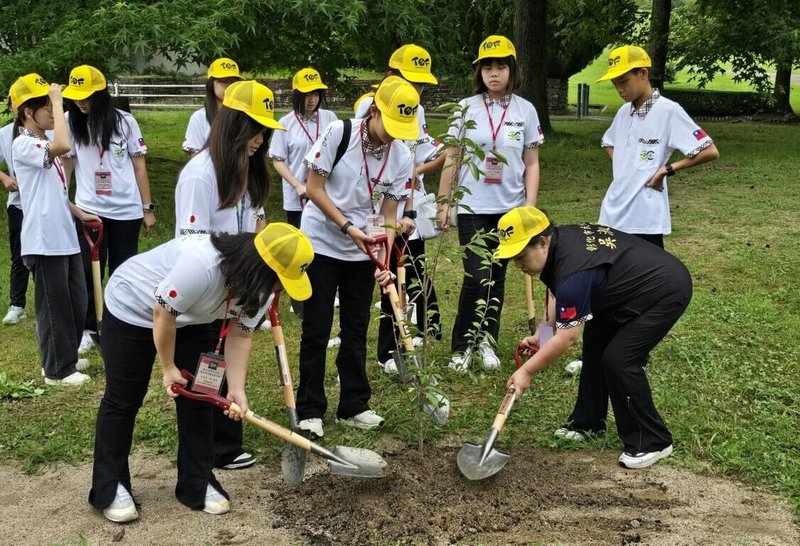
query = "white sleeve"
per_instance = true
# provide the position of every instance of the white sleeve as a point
(278, 148)
(193, 205)
(185, 284)
(426, 145)
(608, 137)
(402, 183)
(136, 145)
(534, 135)
(685, 135)
(31, 152)
(321, 155)
(196, 135)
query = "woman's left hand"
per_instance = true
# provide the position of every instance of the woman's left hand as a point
(520, 380)
(407, 225)
(384, 277)
(148, 221)
(240, 399)
(87, 217)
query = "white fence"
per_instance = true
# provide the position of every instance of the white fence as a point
(160, 95)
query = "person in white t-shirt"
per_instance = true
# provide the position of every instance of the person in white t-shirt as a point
(221, 73)
(49, 242)
(303, 125)
(509, 124)
(341, 218)
(222, 190)
(164, 303)
(108, 159)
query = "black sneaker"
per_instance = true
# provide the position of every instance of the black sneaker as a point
(242, 461)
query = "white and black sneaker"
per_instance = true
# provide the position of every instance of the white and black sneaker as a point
(242, 461)
(313, 426)
(643, 460)
(122, 509)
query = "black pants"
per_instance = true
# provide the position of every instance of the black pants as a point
(415, 281)
(227, 432)
(18, 285)
(129, 353)
(60, 301)
(293, 217)
(480, 283)
(614, 356)
(653, 238)
(356, 283)
(120, 242)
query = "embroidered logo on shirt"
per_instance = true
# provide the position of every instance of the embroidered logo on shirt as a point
(647, 155)
(515, 136)
(650, 141)
(700, 134)
(567, 313)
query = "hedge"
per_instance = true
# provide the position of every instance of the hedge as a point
(721, 103)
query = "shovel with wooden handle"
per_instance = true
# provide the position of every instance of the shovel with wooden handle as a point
(477, 462)
(96, 227)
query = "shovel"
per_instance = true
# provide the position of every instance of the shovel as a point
(342, 461)
(441, 411)
(97, 282)
(477, 462)
(293, 459)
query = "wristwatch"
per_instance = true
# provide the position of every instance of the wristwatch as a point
(410, 214)
(149, 207)
(669, 169)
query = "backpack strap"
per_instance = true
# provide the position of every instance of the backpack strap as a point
(347, 127)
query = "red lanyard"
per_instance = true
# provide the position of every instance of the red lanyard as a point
(102, 153)
(496, 132)
(60, 172)
(303, 127)
(226, 325)
(370, 185)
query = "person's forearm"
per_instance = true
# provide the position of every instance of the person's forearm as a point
(430, 166)
(60, 144)
(238, 345)
(164, 331)
(315, 190)
(549, 352)
(531, 159)
(609, 150)
(142, 179)
(448, 173)
(283, 171)
(709, 154)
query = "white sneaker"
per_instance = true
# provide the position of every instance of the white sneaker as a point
(14, 315)
(266, 325)
(122, 509)
(488, 356)
(643, 460)
(216, 503)
(417, 341)
(378, 304)
(334, 342)
(366, 420)
(72, 380)
(574, 367)
(460, 362)
(566, 434)
(82, 364)
(313, 425)
(336, 302)
(389, 366)
(86, 342)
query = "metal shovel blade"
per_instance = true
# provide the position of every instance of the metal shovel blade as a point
(473, 468)
(357, 462)
(293, 464)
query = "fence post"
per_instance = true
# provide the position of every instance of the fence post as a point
(116, 89)
(578, 109)
(586, 101)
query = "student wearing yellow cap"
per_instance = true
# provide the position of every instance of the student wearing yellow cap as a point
(108, 159)
(357, 172)
(49, 244)
(164, 303)
(303, 124)
(623, 295)
(221, 73)
(506, 123)
(223, 189)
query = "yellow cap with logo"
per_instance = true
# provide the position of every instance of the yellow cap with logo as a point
(623, 59)
(254, 99)
(83, 81)
(362, 98)
(496, 47)
(516, 228)
(398, 103)
(27, 87)
(224, 68)
(414, 63)
(288, 252)
(307, 80)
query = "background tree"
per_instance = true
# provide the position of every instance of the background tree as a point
(658, 40)
(530, 39)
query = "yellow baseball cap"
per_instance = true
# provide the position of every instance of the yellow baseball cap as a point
(224, 68)
(516, 228)
(414, 63)
(624, 59)
(359, 100)
(27, 87)
(254, 99)
(496, 47)
(307, 80)
(83, 81)
(288, 252)
(398, 102)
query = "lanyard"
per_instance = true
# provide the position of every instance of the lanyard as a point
(496, 132)
(240, 214)
(60, 172)
(226, 324)
(370, 185)
(101, 152)
(303, 127)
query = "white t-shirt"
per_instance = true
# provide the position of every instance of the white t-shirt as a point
(292, 145)
(347, 187)
(196, 132)
(197, 202)
(6, 138)
(641, 146)
(125, 201)
(48, 227)
(520, 130)
(183, 276)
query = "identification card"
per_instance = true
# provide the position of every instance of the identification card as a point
(210, 373)
(545, 333)
(493, 170)
(102, 182)
(375, 223)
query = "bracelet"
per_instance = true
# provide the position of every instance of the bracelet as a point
(669, 169)
(346, 226)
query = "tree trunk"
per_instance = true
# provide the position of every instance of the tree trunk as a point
(659, 37)
(530, 39)
(783, 86)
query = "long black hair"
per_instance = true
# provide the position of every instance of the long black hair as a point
(210, 101)
(245, 272)
(514, 79)
(35, 104)
(299, 98)
(227, 145)
(100, 124)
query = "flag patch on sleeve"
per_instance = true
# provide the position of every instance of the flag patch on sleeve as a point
(567, 313)
(700, 134)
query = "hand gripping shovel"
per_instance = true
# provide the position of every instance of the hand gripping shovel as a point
(343, 461)
(97, 281)
(440, 410)
(477, 462)
(293, 459)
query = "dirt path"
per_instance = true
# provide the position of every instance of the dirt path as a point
(541, 496)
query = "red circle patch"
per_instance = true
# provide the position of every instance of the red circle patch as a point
(191, 219)
(317, 155)
(173, 293)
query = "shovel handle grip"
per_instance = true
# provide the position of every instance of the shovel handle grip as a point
(380, 242)
(213, 399)
(505, 409)
(520, 352)
(274, 317)
(94, 244)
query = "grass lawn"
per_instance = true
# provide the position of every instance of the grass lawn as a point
(725, 379)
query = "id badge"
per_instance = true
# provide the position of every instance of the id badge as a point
(493, 170)
(375, 223)
(210, 373)
(102, 182)
(545, 333)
